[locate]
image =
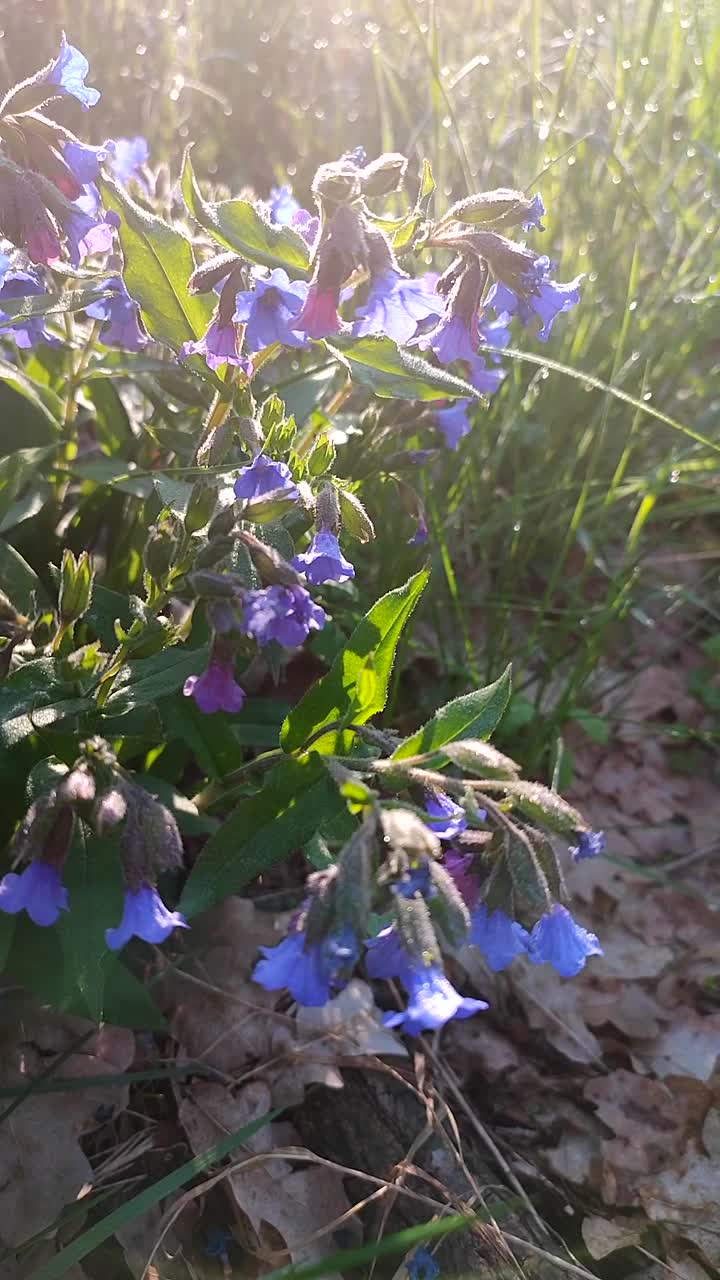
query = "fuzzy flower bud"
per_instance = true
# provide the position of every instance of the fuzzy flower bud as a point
(384, 175)
(76, 584)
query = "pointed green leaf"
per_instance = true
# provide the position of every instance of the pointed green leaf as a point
(474, 715)
(393, 373)
(50, 304)
(367, 659)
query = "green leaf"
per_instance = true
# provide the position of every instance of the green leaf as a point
(20, 581)
(50, 304)
(367, 657)
(147, 679)
(16, 469)
(34, 412)
(392, 373)
(239, 226)
(474, 715)
(297, 797)
(62, 1262)
(158, 265)
(32, 699)
(94, 881)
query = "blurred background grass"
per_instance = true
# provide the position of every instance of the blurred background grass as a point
(570, 522)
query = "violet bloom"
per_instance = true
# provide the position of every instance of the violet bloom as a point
(268, 309)
(216, 689)
(499, 938)
(263, 476)
(395, 306)
(38, 890)
(445, 817)
(422, 1265)
(459, 867)
(432, 1002)
(454, 422)
(496, 333)
(421, 534)
(416, 880)
(538, 296)
(452, 339)
(120, 314)
(282, 205)
(84, 161)
(386, 956)
(219, 345)
(284, 614)
(27, 331)
(144, 916)
(68, 73)
(43, 246)
(324, 561)
(313, 972)
(129, 157)
(589, 843)
(534, 214)
(558, 939)
(306, 224)
(86, 233)
(319, 316)
(486, 381)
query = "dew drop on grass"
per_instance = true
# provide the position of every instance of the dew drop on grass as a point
(674, 477)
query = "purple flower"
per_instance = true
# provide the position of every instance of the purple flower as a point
(432, 1002)
(268, 309)
(485, 380)
(421, 534)
(459, 866)
(386, 956)
(263, 476)
(283, 205)
(323, 561)
(86, 232)
(445, 817)
(144, 916)
(84, 161)
(38, 890)
(496, 333)
(130, 155)
(416, 879)
(534, 214)
(284, 614)
(120, 314)
(499, 938)
(452, 339)
(27, 331)
(538, 296)
(311, 972)
(454, 422)
(559, 940)
(216, 689)
(68, 72)
(589, 843)
(43, 246)
(395, 306)
(319, 316)
(306, 224)
(422, 1265)
(219, 345)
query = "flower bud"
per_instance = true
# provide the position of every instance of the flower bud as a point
(201, 505)
(528, 878)
(408, 834)
(223, 523)
(447, 907)
(269, 563)
(416, 932)
(480, 759)
(161, 547)
(354, 884)
(77, 787)
(214, 552)
(209, 274)
(383, 175)
(109, 811)
(337, 181)
(76, 584)
(215, 447)
(354, 517)
(327, 509)
(546, 807)
(345, 241)
(320, 908)
(502, 206)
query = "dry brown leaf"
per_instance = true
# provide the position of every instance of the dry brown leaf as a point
(690, 1199)
(624, 1005)
(476, 1047)
(711, 1133)
(286, 1207)
(574, 1158)
(557, 1008)
(650, 1126)
(354, 1023)
(690, 1046)
(603, 1236)
(626, 957)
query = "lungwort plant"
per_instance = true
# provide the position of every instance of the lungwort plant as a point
(202, 528)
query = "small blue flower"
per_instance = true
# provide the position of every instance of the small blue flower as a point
(263, 476)
(283, 205)
(130, 155)
(589, 843)
(268, 309)
(416, 879)
(38, 890)
(421, 534)
(216, 1243)
(284, 614)
(559, 940)
(496, 333)
(486, 381)
(386, 956)
(144, 916)
(120, 314)
(219, 345)
(68, 73)
(499, 938)
(421, 1265)
(216, 689)
(432, 1002)
(534, 214)
(452, 339)
(323, 561)
(86, 232)
(311, 972)
(84, 161)
(445, 817)
(539, 296)
(454, 422)
(396, 305)
(27, 331)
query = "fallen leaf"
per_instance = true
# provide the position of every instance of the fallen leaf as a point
(689, 1046)
(557, 1008)
(476, 1047)
(690, 1199)
(624, 956)
(354, 1023)
(603, 1236)
(650, 1127)
(574, 1158)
